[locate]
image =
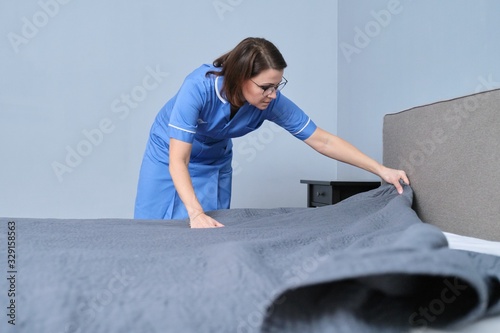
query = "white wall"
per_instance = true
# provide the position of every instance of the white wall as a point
(89, 77)
(396, 54)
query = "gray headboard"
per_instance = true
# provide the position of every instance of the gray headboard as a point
(451, 152)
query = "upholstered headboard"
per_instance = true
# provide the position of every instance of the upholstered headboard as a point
(451, 152)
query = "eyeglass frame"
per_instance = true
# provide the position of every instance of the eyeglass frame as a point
(274, 88)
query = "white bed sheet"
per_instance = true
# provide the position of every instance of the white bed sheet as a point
(460, 242)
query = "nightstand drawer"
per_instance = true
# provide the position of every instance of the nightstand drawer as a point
(321, 195)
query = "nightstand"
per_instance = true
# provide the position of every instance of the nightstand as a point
(322, 193)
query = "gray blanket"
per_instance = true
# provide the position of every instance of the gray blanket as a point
(367, 264)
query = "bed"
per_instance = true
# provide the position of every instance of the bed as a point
(376, 262)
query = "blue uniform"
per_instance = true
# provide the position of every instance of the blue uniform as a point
(199, 114)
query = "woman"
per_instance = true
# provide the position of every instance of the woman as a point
(186, 169)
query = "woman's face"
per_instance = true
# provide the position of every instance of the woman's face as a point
(253, 89)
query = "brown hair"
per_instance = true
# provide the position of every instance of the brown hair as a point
(248, 59)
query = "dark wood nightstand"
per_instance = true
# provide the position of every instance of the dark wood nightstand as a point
(322, 193)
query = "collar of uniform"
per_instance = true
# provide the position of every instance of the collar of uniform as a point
(218, 87)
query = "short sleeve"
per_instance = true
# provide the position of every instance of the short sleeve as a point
(288, 115)
(186, 108)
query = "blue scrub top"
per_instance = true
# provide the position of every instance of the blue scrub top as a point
(199, 114)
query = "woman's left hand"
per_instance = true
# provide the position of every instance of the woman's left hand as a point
(392, 176)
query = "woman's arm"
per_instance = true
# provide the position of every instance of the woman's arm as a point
(341, 150)
(178, 167)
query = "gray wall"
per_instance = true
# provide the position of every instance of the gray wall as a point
(394, 55)
(81, 82)
(90, 76)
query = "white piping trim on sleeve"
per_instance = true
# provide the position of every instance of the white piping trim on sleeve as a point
(308, 121)
(182, 129)
(217, 90)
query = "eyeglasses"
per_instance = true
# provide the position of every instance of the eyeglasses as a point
(271, 88)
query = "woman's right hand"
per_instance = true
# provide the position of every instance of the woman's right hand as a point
(201, 220)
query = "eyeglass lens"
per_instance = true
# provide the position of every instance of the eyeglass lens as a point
(272, 89)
